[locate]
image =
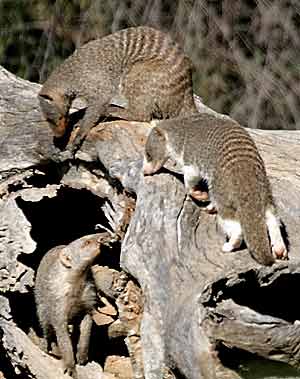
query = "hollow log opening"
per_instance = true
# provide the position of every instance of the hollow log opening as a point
(58, 221)
(264, 295)
(197, 304)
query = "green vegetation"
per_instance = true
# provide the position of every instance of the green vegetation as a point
(246, 53)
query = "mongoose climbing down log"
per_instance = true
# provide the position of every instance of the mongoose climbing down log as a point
(222, 153)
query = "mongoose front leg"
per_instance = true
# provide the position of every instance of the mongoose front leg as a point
(84, 339)
(65, 346)
(93, 113)
(192, 178)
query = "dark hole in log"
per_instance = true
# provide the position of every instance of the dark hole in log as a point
(273, 299)
(51, 174)
(110, 256)
(56, 221)
(101, 346)
(23, 311)
(61, 219)
(276, 299)
(251, 366)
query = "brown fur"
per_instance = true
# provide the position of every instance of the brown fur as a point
(136, 73)
(63, 292)
(222, 153)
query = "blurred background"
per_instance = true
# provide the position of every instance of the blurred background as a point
(246, 53)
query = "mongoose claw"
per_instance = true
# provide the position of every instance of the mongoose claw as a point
(81, 359)
(71, 371)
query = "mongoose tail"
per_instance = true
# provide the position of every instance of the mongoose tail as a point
(251, 226)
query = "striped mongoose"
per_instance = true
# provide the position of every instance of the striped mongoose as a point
(223, 154)
(138, 73)
(64, 293)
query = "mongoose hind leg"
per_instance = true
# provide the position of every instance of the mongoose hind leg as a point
(199, 195)
(84, 339)
(279, 249)
(233, 230)
(192, 178)
(65, 346)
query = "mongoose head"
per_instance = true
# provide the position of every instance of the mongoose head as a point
(80, 254)
(156, 152)
(55, 108)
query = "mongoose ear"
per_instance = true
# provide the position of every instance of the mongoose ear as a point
(66, 259)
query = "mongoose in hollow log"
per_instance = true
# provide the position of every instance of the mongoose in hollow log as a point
(223, 154)
(103, 73)
(64, 292)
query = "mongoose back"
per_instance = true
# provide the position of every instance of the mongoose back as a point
(64, 292)
(222, 153)
(103, 73)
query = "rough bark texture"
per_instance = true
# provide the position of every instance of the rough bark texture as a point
(183, 302)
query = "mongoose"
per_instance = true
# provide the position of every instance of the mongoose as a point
(64, 292)
(223, 154)
(102, 72)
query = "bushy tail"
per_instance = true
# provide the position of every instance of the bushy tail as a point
(254, 227)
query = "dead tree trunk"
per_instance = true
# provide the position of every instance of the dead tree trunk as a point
(199, 304)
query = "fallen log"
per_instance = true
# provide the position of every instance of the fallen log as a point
(198, 303)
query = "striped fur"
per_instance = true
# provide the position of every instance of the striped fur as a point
(140, 69)
(222, 153)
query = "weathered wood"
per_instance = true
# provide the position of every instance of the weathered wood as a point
(173, 249)
(197, 299)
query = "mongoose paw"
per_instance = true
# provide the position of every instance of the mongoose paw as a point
(231, 245)
(279, 251)
(199, 195)
(227, 247)
(82, 359)
(71, 372)
(211, 209)
(76, 142)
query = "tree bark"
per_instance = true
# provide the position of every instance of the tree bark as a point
(195, 302)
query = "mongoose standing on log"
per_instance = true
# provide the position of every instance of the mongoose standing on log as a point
(64, 292)
(102, 72)
(223, 154)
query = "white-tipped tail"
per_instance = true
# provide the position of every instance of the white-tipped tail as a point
(279, 249)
